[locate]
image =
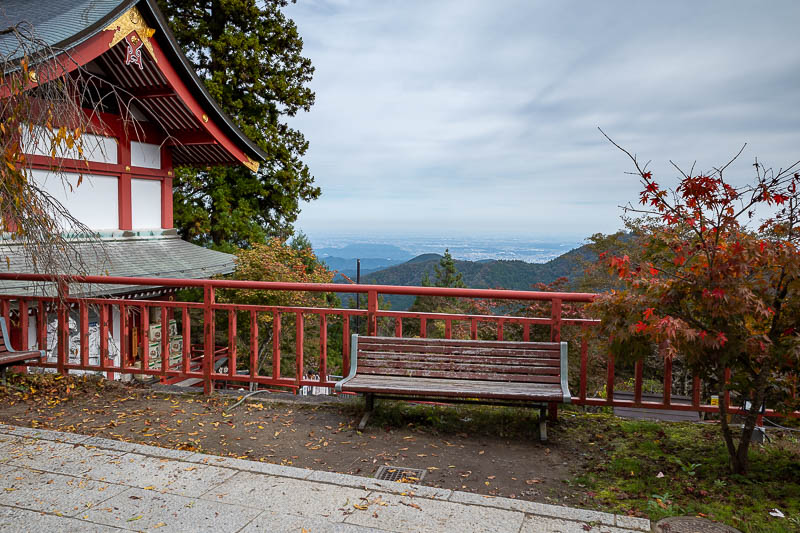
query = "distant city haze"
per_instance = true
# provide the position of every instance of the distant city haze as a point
(396, 249)
(465, 117)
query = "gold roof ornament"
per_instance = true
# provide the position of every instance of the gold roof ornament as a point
(128, 22)
(252, 165)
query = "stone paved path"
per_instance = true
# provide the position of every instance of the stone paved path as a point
(62, 482)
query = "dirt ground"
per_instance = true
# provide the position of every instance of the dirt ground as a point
(478, 450)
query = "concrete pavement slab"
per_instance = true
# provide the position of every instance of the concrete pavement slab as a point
(46, 434)
(270, 522)
(53, 493)
(542, 524)
(395, 487)
(284, 495)
(403, 513)
(544, 509)
(59, 457)
(13, 520)
(137, 510)
(164, 475)
(251, 466)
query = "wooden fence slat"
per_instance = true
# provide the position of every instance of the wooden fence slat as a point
(253, 344)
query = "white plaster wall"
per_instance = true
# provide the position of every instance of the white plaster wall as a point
(96, 148)
(93, 202)
(145, 155)
(145, 204)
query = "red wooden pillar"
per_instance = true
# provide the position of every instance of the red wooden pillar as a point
(208, 338)
(23, 325)
(63, 327)
(166, 188)
(124, 186)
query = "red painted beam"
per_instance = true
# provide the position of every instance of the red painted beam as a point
(314, 287)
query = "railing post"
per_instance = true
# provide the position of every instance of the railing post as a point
(610, 379)
(232, 342)
(276, 345)
(63, 326)
(323, 347)
(346, 344)
(23, 325)
(637, 384)
(555, 336)
(372, 310)
(696, 391)
(555, 316)
(299, 347)
(584, 364)
(105, 361)
(83, 328)
(253, 347)
(166, 355)
(208, 344)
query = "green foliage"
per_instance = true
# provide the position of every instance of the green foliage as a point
(650, 468)
(249, 54)
(277, 261)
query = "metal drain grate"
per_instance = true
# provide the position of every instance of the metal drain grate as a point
(400, 473)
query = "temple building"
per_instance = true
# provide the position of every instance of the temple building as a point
(161, 117)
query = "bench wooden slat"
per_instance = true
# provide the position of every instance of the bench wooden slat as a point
(425, 387)
(458, 366)
(369, 341)
(460, 350)
(18, 357)
(519, 361)
(458, 376)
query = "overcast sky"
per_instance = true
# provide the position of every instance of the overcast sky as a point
(461, 117)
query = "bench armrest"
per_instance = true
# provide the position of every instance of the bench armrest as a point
(353, 363)
(564, 371)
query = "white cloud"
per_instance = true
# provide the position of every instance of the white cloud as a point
(481, 115)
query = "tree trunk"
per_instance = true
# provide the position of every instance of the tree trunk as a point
(727, 436)
(739, 458)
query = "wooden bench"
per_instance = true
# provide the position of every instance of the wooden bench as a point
(465, 371)
(11, 357)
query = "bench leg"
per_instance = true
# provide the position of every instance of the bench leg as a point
(543, 423)
(553, 408)
(369, 403)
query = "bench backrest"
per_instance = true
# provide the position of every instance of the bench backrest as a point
(528, 362)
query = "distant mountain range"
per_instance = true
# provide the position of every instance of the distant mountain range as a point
(373, 257)
(483, 274)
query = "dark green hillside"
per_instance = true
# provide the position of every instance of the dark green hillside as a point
(484, 274)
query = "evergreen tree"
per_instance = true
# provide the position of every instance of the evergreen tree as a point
(445, 275)
(250, 56)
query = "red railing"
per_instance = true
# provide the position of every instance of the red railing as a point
(112, 334)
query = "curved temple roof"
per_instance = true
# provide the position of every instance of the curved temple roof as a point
(68, 25)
